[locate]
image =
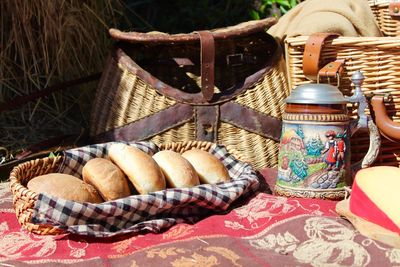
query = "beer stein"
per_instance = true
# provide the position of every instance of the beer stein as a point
(314, 149)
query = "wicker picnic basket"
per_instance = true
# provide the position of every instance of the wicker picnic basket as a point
(387, 16)
(152, 88)
(24, 199)
(378, 59)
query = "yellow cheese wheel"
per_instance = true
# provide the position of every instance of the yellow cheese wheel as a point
(375, 196)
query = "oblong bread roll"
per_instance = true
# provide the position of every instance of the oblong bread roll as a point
(64, 186)
(141, 169)
(209, 168)
(107, 178)
(177, 170)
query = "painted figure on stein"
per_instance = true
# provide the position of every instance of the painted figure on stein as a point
(314, 150)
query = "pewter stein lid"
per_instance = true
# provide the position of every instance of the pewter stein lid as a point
(316, 93)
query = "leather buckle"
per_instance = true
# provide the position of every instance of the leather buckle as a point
(329, 79)
(234, 60)
(332, 70)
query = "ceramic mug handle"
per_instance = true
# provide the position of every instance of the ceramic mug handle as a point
(387, 127)
(364, 122)
(374, 145)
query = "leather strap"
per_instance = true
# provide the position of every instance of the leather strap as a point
(332, 69)
(312, 53)
(207, 64)
(251, 120)
(394, 8)
(118, 56)
(206, 123)
(149, 126)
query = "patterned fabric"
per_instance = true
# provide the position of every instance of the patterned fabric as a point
(152, 212)
(265, 231)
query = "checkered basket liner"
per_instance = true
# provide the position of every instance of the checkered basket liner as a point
(152, 212)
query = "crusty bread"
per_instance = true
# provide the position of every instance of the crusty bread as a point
(107, 178)
(177, 170)
(141, 169)
(64, 186)
(208, 167)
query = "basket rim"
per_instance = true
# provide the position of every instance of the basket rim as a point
(208, 144)
(384, 3)
(241, 29)
(119, 57)
(14, 181)
(388, 41)
(21, 194)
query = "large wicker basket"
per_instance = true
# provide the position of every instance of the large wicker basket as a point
(388, 24)
(24, 199)
(131, 92)
(378, 59)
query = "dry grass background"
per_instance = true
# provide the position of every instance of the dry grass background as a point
(46, 42)
(42, 43)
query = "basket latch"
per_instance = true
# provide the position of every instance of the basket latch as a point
(394, 8)
(207, 58)
(332, 70)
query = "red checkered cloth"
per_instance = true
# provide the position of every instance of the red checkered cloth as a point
(152, 212)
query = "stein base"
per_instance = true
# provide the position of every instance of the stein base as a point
(337, 194)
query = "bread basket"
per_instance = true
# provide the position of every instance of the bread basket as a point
(24, 200)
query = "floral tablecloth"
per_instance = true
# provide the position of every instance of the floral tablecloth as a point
(265, 231)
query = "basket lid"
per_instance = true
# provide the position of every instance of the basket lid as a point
(316, 93)
(242, 29)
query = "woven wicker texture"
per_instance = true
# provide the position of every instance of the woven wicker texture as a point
(389, 25)
(378, 59)
(183, 132)
(134, 100)
(249, 144)
(124, 96)
(24, 199)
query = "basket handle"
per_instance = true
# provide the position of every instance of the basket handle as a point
(387, 127)
(207, 57)
(311, 57)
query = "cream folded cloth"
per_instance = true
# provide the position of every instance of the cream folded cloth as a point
(346, 17)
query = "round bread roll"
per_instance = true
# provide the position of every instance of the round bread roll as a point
(208, 167)
(107, 178)
(177, 170)
(64, 186)
(141, 169)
